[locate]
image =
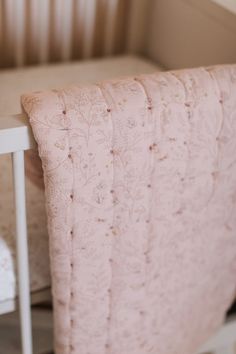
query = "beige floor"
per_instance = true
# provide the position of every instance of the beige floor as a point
(42, 332)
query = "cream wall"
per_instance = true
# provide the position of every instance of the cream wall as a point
(187, 33)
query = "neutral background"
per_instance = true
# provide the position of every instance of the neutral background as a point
(176, 33)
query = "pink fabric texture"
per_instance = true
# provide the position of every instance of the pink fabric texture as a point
(33, 168)
(140, 182)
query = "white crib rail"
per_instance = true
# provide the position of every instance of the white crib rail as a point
(22, 250)
(15, 137)
(15, 134)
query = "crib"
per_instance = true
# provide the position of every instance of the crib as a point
(16, 138)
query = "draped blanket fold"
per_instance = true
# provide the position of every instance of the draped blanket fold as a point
(140, 183)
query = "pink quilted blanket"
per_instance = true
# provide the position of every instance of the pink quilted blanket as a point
(140, 179)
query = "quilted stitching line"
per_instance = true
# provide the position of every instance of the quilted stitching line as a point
(109, 110)
(151, 155)
(70, 157)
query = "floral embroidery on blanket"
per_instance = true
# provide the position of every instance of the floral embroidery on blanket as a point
(140, 183)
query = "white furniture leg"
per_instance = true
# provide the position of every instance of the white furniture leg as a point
(22, 251)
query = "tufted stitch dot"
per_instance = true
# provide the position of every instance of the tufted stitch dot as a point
(149, 108)
(61, 302)
(70, 156)
(153, 146)
(187, 104)
(71, 196)
(163, 158)
(64, 112)
(108, 110)
(114, 232)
